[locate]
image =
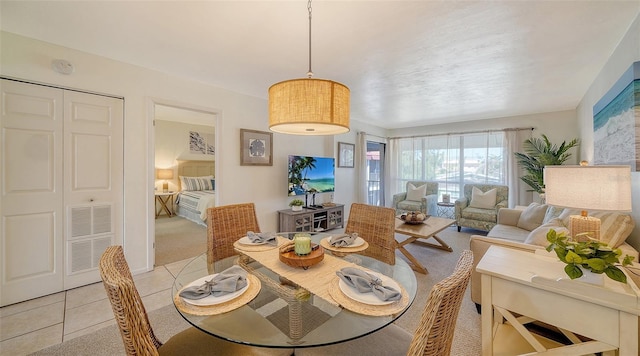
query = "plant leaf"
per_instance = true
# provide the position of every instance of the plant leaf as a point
(596, 264)
(616, 274)
(573, 257)
(573, 271)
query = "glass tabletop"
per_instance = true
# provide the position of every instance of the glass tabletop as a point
(302, 319)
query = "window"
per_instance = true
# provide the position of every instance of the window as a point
(451, 160)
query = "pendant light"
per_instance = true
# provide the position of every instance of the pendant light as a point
(309, 106)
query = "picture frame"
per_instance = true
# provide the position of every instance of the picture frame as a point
(256, 148)
(346, 154)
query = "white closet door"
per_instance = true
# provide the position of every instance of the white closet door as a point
(31, 206)
(93, 179)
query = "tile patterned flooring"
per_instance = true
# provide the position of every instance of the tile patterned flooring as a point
(39, 323)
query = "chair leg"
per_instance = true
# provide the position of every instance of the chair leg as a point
(459, 227)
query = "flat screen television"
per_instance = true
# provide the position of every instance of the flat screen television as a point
(310, 175)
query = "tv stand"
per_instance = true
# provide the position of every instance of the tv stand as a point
(314, 218)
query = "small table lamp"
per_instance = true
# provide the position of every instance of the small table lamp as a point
(165, 174)
(588, 188)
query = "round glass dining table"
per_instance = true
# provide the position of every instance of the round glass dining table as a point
(267, 320)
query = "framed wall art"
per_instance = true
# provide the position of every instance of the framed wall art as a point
(616, 119)
(345, 154)
(256, 148)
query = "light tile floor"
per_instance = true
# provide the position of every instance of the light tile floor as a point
(39, 323)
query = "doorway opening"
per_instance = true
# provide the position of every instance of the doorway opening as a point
(183, 136)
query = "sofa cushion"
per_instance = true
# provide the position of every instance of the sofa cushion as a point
(483, 200)
(532, 216)
(539, 235)
(416, 193)
(508, 232)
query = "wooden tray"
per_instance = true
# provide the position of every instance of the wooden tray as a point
(290, 258)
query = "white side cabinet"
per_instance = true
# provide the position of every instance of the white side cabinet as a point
(62, 187)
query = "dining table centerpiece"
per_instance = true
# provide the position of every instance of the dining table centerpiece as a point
(584, 254)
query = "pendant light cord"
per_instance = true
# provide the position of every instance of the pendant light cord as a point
(309, 73)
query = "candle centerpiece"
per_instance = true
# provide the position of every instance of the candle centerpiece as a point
(302, 245)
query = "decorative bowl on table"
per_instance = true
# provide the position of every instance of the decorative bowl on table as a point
(414, 217)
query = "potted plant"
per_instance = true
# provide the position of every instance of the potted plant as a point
(538, 154)
(296, 205)
(586, 253)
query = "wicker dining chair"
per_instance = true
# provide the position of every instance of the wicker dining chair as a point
(434, 334)
(225, 225)
(376, 225)
(136, 331)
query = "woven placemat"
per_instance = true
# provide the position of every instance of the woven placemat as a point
(251, 292)
(325, 243)
(257, 248)
(368, 309)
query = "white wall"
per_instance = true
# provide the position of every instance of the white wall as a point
(627, 52)
(30, 59)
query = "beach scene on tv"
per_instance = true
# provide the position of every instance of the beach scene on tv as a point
(310, 175)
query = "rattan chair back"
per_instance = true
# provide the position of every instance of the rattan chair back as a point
(434, 335)
(376, 225)
(225, 225)
(130, 314)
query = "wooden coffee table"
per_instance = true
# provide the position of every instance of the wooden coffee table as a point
(426, 230)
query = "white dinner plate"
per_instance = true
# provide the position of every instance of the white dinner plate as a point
(212, 300)
(359, 241)
(369, 298)
(247, 241)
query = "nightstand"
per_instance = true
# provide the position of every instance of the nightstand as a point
(166, 201)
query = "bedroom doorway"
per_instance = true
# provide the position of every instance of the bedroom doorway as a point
(181, 134)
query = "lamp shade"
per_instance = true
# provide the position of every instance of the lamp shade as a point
(588, 187)
(164, 173)
(309, 107)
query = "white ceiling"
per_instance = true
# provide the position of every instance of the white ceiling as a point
(407, 63)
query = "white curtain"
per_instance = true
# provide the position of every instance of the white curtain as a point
(518, 194)
(392, 160)
(361, 166)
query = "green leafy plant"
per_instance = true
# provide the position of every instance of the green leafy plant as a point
(589, 254)
(296, 202)
(538, 154)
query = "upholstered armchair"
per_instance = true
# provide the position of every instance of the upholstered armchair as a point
(478, 207)
(419, 196)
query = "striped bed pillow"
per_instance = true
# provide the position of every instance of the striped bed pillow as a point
(197, 183)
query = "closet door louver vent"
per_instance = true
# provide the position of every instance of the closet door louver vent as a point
(91, 232)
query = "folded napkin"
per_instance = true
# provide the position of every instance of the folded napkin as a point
(343, 240)
(364, 282)
(228, 281)
(268, 237)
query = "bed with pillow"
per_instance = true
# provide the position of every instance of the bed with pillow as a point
(197, 190)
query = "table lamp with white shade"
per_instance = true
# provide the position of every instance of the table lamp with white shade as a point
(165, 174)
(588, 188)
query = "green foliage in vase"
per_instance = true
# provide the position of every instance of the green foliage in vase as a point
(540, 153)
(588, 254)
(296, 202)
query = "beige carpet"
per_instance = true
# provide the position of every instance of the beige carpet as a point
(178, 239)
(166, 321)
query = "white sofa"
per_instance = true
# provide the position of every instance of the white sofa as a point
(526, 229)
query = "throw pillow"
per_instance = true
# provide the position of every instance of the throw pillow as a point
(416, 194)
(483, 200)
(532, 216)
(614, 227)
(539, 235)
(196, 183)
(552, 213)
